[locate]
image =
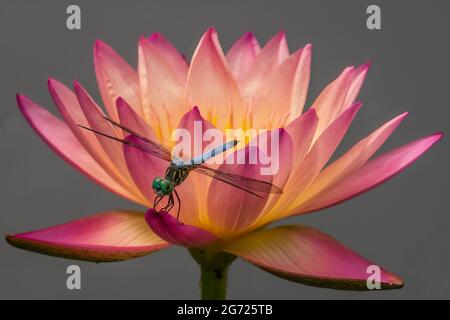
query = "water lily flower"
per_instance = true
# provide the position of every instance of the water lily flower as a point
(248, 87)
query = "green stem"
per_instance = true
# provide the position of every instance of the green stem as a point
(213, 283)
(214, 272)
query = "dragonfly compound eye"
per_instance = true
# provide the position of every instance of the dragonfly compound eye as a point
(166, 187)
(156, 185)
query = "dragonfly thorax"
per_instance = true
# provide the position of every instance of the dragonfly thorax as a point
(176, 174)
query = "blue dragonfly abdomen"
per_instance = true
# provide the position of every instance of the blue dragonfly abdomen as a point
(212, 153)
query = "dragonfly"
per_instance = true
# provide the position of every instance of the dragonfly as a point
(179, 169)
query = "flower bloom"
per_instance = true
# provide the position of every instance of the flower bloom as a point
(249, 87)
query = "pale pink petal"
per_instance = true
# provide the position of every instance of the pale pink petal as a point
(315, 160)
(116, 78)
(176, 232)
(373, 173)
(301, 65)
(211, 86)
(351, 161)
(283, 94)
(172, 55)
(271, 56)
(359, 75)
(162, 90)
(338, 96)
(242, 54)
(58, 136)
(230, 209)
(103, 237)
(305, 255)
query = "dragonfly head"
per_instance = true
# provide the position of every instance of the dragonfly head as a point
(162, 186)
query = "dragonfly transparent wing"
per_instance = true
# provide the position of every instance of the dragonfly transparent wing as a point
(163, 149)
(147, 145)
(247, 184)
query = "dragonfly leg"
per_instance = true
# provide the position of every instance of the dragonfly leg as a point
(179, 203)
(156, 201)
(169, 204)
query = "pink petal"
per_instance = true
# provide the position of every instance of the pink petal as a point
(303, 254)
(96, 120)
(281, 159)
(374, 172)
(175, 232)
(338, 96)
(143, 167)
(69, 107)
(116, 78)
(267, 61)
(230, 209)
(351, 161)
(194, 122)
(283, 93)
(242, 54)
(282, 155)
(103, 237)
(172, 55)
(210, 84)
(300, 66)
(195, 188)
(358, 78)
(130, 119)
(301, 131)
(162, 89)
(58, 136)
(318, 156)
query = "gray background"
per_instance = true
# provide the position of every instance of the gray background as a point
(402, 225)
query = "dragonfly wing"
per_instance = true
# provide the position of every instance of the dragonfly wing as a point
(163, 149)
(247, 184)
(143, 146)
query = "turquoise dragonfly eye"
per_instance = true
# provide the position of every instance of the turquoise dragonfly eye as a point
(162, 186)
